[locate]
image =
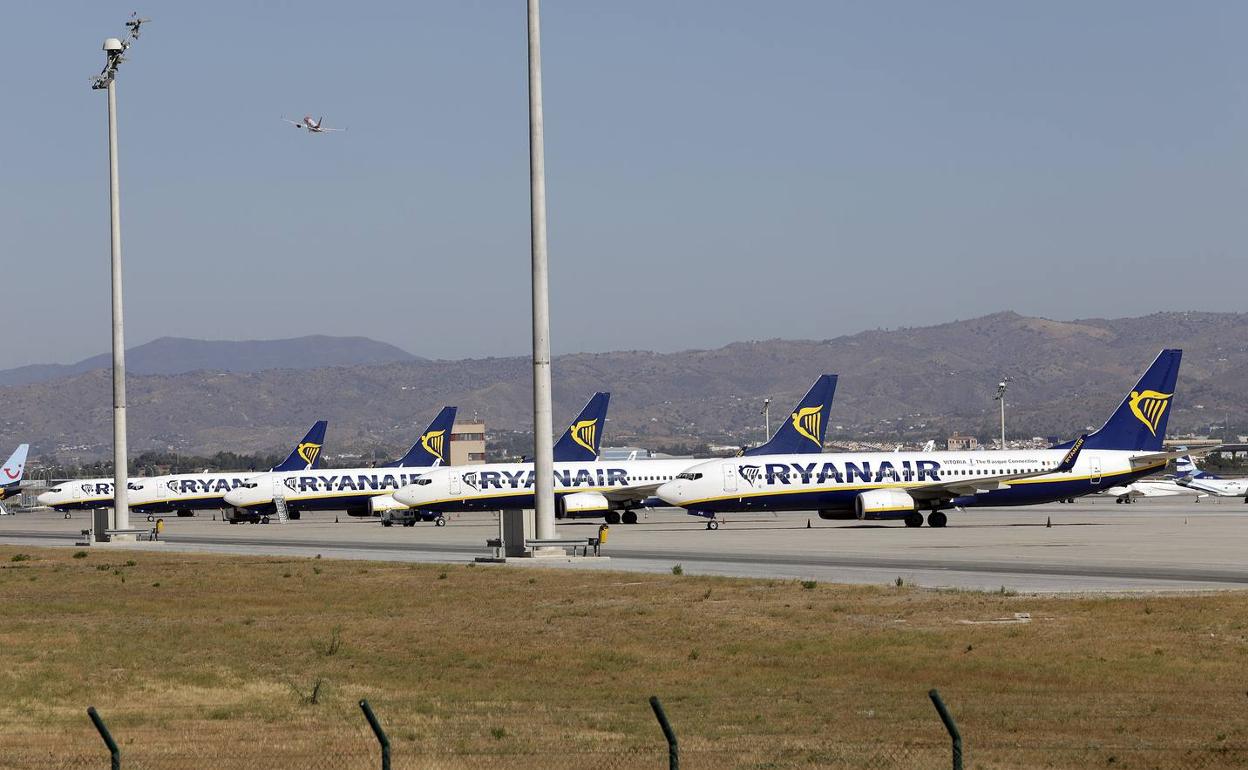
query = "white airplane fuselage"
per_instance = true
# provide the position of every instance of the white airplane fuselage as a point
(833, 483)
(496, 486)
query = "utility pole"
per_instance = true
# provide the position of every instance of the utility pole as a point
(766, 420)
(1001, 386)
(543, 445)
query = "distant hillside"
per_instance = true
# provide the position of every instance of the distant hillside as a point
(916, 383)
(177, 355)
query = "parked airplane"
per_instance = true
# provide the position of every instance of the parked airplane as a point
(82, 494)
(898, 485)
(1187, 474)
(1151, 487)
(11, 475)
(313, 126)
(349, 489)
(587, 488)
(185, 493)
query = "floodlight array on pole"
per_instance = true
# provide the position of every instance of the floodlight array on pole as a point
(766, 413)
(1001, 387)
(114, 55)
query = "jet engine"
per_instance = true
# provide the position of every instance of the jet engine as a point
(883, 504)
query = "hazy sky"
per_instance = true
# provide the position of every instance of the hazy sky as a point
(716, 170)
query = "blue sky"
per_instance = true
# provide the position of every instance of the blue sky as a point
(716, 170)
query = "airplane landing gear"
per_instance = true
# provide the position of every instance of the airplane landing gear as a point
(712, 524)
(914, 519)
(440, 521)
(629, 517)
(612, 517)
(937, 519)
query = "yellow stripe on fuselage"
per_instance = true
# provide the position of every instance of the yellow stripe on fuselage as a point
(914, 485)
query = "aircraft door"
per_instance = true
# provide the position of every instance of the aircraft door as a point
(1095, 464)
(279, 489)
(730, 478)
(454, 483)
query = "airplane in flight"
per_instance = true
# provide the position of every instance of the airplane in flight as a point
(313, 126)
(1189, 475)
(185, 493)
(11, 474)
(590, 488)
(899, 485)
(155, 495)
(354, 490)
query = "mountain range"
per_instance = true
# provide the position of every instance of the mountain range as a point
(178, 355)
(908, 383)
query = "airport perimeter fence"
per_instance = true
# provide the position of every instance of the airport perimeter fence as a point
(364, 749)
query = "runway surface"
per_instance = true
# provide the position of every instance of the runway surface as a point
(1092, 545)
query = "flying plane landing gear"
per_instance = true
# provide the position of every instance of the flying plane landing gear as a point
(914, 519)
(629, 517)
(937, 519)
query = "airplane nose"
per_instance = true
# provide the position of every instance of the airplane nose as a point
(234, 498)
(671, 493)
(45, 499)
(406, 496)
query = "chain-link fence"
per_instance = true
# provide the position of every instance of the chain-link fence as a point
(367, 744)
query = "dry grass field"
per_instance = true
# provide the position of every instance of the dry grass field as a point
(233, 658)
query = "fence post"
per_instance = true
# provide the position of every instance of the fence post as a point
(673, 750)
(380, 733)
(950, 725)
(113, 752)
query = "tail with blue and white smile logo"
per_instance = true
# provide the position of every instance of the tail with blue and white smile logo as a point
(580, 442)
(1186, 467)
(306, 455)
(434, 445)
(1139, 422)
(802, 431)
(13, 469)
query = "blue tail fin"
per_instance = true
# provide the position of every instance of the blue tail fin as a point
(13, 468)
(802, 431)
(307, 453)
(580, 442)
(1139, 422)
(434, 445)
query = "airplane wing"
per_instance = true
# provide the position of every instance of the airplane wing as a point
(332, 129)
(969, 486)
(294, 123)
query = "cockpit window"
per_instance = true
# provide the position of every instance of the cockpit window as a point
(422, 482)
(689, 476)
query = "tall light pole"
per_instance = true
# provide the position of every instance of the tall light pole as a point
(543, 449)
(114, 55)
(113, 50)
(766, 413)
(1001, 386)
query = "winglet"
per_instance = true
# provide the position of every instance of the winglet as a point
(1072, 456)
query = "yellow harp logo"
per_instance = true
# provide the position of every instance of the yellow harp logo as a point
(806, 422)
(1148, 406)
(433, 442)
(308, 452)
(583, 433)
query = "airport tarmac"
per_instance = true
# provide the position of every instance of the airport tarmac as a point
(1093, 545)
